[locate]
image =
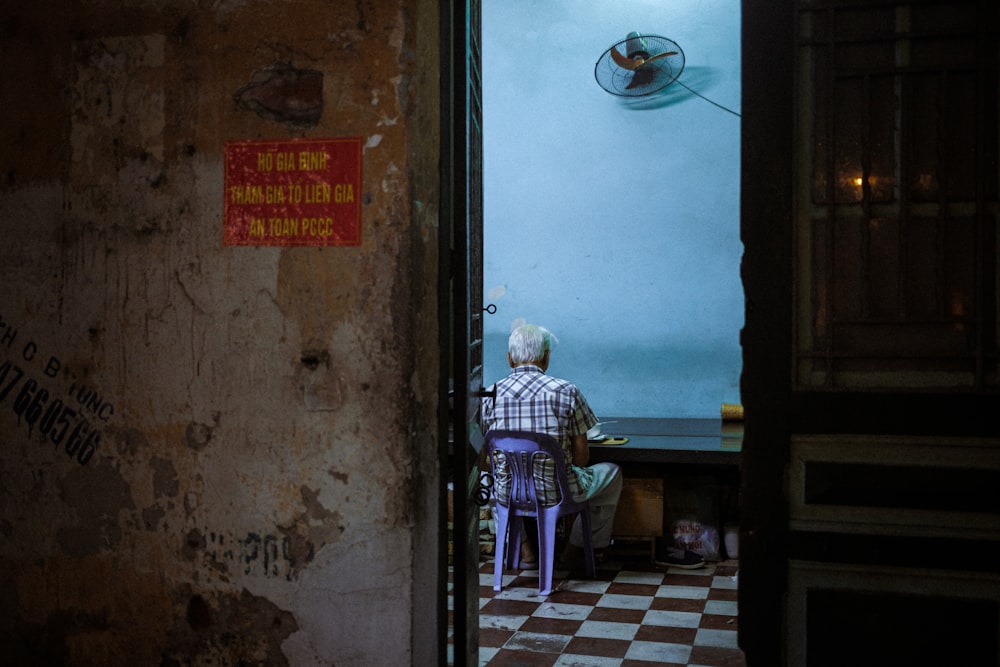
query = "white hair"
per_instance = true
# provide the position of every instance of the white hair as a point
(529, 343)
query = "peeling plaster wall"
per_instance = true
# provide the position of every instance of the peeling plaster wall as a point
(214, 455)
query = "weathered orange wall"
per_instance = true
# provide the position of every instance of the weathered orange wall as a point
(263, 477)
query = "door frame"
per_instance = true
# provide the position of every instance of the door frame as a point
(460, 306)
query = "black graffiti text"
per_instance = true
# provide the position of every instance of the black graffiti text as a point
(56, 421)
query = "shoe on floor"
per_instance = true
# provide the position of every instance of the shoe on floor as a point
(680, 558)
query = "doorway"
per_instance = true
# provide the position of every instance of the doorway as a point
(581, 207)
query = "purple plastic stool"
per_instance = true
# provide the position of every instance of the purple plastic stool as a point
(522, 449)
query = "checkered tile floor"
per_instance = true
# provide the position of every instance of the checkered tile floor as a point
(633, 614)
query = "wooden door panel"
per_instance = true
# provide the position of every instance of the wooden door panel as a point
(868, 215)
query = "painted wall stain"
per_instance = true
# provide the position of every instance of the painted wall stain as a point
(229, 629)
(129, 442)
(152, 516)
(284, 94)
(96, 496)
(197, 435)
(164, 477)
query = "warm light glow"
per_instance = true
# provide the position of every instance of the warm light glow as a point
(858, 181)
(957, 304)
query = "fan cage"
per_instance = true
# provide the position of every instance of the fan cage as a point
(648, 79)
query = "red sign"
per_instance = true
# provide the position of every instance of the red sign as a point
(298, 192)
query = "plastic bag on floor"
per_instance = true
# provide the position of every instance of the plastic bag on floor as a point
(697, 537)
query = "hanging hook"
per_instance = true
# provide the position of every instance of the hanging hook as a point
(491, 309)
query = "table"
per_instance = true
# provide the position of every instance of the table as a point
(671, 441)
(661, 447)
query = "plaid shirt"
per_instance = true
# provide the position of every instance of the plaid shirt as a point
(529, 400)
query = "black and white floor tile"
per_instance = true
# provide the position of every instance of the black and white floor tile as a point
(633, 614)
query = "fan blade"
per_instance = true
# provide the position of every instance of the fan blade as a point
(622, 61)
(642, 77)
(658, 56)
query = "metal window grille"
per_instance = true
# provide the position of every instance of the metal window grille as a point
(896, 194)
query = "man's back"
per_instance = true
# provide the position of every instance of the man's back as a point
(530, 400)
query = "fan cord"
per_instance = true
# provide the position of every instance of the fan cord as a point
(694, 92)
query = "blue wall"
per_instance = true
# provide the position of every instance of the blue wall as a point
(615, 224)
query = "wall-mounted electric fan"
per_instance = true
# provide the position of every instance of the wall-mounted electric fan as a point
(639, 65)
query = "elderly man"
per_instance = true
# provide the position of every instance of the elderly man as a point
(530, 400)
